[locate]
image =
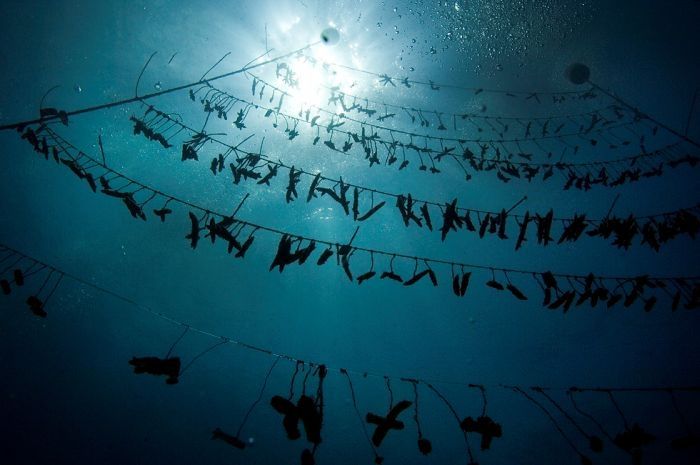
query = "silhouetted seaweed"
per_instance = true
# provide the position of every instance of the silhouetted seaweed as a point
(633, 438)
(35, 302)
(308, 410)
(670, 224)
(483, 424)
(159, 127)
(579, 175)
(156, 366)
(390, 422)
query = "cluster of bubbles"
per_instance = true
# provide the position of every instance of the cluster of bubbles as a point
(489, 34)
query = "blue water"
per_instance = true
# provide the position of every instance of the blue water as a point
(68, 393)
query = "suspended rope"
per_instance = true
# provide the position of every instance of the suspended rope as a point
(655, 229)
(309, 409)
(477, 155)
(492, 157)
(560, 290)
(297, 361)
(425, 117)
(526, 129)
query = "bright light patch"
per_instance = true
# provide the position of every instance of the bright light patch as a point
(287, 25)
(313, 80)
(310, 82)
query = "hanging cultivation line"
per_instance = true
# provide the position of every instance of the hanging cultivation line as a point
(578, 74)
(309, 409)
(560, 290)
(654, 230)
(683, 137)
(8, 253)
(578, 175)
(629, 175)
(608, 118)
(474, 155)
(425, 117)
(507, 129)
(505, 149)
(672, 224)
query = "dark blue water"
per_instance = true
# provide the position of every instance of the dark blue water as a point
(68, 393)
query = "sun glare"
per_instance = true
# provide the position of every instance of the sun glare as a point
(310, 82)
(309, 77)
(312, 78)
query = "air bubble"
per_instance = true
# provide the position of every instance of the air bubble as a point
(330, 36)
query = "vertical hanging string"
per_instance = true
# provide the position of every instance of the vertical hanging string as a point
(688, 431)
(485, 402)
(424, 445)
(187, 327)
(415, 405)
(136, 88)
(31, 269)
(306, 378)
(391, 392)
(516, 204)
(257, 401)
(551, 417)
(570, 393)
(41, 103)
(459, 422)
(562, 411)
(612, 206)
(267, 49)
(322, 371)
(4, 270)
(359, 415)
(55, 286)
(8, 256)
(619, 410)
(46, 280)
(203, 353)
(294, 377)
(594, 442)
(215, 65)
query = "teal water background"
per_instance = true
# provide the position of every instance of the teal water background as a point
(68, 393)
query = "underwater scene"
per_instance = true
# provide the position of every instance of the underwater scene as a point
(350, 232)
